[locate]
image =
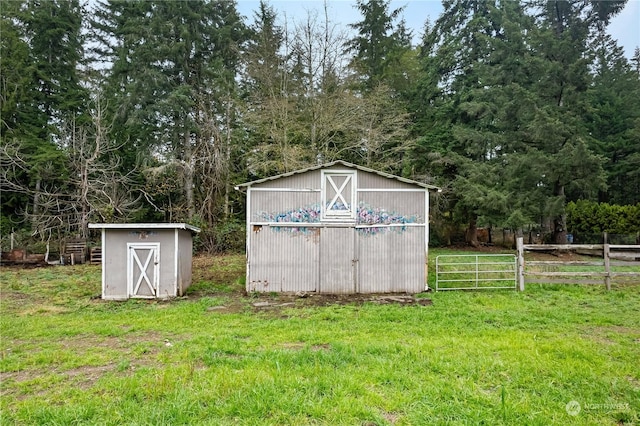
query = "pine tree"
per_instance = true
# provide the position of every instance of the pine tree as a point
(41, 55)
(379, 45)
(460, 119)
(556, 130)
(172, 85)
(613, 119)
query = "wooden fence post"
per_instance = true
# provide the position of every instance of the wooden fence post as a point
(607, 266)
(520, 246)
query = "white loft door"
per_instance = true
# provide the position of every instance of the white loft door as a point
(338, 195)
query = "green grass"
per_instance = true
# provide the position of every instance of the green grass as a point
(499, 357)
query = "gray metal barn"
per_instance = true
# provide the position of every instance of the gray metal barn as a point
(337, 228)
(145, 260)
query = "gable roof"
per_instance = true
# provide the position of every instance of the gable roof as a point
(344, 164)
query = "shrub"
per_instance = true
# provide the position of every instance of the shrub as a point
(589, 217)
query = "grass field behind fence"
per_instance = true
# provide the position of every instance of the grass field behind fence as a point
(550, 355)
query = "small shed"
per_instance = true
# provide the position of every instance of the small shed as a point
(145, 260)
(337, 228)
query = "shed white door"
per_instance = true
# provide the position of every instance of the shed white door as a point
(337, 260)
(143, 269)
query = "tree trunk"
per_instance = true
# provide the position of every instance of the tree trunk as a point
(472, 231)
(560, 221)
(188, 175)
(559, 231)
(227, 159)
(36, 204)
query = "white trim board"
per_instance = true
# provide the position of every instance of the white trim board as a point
(184, 226)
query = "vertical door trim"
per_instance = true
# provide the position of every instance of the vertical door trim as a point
(177, 286)
(103, 261)
(248, 244)
(426, 240)
(355, 263)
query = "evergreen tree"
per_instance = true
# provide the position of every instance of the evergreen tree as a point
(460, 119)
(42, 52)
(380, 45)
(53, 29)
(507, 91)
(557, 130)
(172, 85)
(613, 120)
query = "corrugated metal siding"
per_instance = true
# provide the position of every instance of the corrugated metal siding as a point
(309, 180)
(391, 262)
(370, 180)
(336, 260)
(283, 261)
(409, 204)
(273, 203)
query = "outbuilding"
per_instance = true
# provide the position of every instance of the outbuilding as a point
(145, 260)
(337, 228)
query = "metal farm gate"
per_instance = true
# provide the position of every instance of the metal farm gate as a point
(476, 271)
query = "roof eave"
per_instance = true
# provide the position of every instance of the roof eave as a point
(184, 226)
(240, 187)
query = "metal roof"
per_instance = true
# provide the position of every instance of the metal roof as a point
(184, 226)
(341, 163)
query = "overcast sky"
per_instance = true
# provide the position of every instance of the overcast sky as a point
(625, 27)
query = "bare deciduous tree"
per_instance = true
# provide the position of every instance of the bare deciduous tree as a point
(95, 188)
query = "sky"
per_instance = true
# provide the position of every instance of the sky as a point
(625, 27)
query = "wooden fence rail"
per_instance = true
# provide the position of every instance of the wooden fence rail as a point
(613, 256)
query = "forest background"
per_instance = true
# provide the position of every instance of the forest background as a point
(145, 111)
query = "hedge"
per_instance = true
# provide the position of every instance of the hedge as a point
(589, 217)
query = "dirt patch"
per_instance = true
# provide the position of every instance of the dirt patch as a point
(391, 417)
(482, 248)
(380, 299)
(86, 376)
(557, 256)
(602, 329)
(303, 300)
(634, 382)
(23, 264)
(277, 302)
(138, 351)
(605, 334)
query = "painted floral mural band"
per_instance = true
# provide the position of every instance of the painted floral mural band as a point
(365, 215)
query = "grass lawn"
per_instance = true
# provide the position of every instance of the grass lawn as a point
(550, 355)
